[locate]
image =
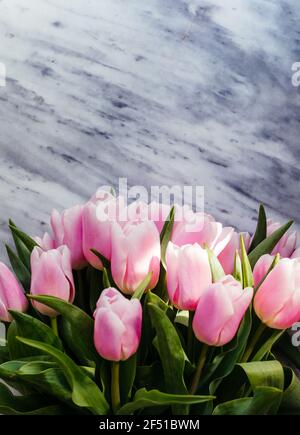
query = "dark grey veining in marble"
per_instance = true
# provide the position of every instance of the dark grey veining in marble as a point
(159, 91)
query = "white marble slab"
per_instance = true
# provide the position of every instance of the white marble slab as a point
(159, 91)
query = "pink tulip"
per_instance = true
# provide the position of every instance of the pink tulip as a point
(135, 253)
(200, 228)
(155, 212)
(296, 253)
(261, 268)
(227, 256)
(277, 301)
(97, 220)
(188, 274)
(118, 324)
(67, 230)
(51, 275)
(287, 244)
(46, 242)
(220, 311)
(11, 294)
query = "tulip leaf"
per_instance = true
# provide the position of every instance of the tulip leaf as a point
(246, 266)
(19, 268)
(267, 346)
(261, 229)
(215, 265)
(166, 234)
(290, 404)
(127, 376)
(27, 405)
(171, 353)
(238, 271)
(105, 262)
(32, 328)
(266, 401)
(142, 287)
(145, 399)
(85, 392)
(267, 245)
(76, 328)
(264, 374)
(23, 238)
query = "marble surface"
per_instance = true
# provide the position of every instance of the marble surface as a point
(159, 91)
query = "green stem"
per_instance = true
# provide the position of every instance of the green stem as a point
(260, 330)
(115, 386)
(199, 369)
(190, 338)
(54, 325)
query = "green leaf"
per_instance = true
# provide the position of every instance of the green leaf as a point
(29, 327)
(290, 404)
(127, 376)
(267, 245)
(145, 399)
(85, 392)
(22, 250)
(20, 236)
(104, 260)
(76, 328)
(27, 405)
(166, 234)
(264, 374)
(215, 265)
(4, 354)
(237, 271)
(246, 266)
(266, 401)
(261, 229)
(142, 287)
(171, 352)
(19, 269)
(267, 346)
(106, 281)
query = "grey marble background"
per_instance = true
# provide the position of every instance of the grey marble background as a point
(159, 91)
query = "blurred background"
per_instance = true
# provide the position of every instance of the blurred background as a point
(161, 92)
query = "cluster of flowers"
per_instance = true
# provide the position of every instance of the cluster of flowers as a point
(133, 248)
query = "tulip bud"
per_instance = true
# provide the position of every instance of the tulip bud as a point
(51, 275)
(67, 230)
(118, 324)
(11, 294)
(201, 228)
(135, 253)
(227, 256)
(188, 274)
(261, 268)
(288, 242)
(220, 311)
(46, 242)
(277, 301)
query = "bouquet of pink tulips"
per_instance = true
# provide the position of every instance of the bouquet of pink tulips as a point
(147, 309)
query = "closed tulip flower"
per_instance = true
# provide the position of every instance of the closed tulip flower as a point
(11, 294)
(46, 242)
(188, 274)
(135, 253)
(277, 301)
(67, 230)
(201, 228)
(155, 212)
(220, 311)
(51, 275)
(118, 324)
(288, 242)
(227, 256)
(262, 267)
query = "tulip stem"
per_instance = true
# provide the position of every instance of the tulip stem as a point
(115, 386)
(54, 325)
(260, 330)
(190, 338)
(199, 369)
